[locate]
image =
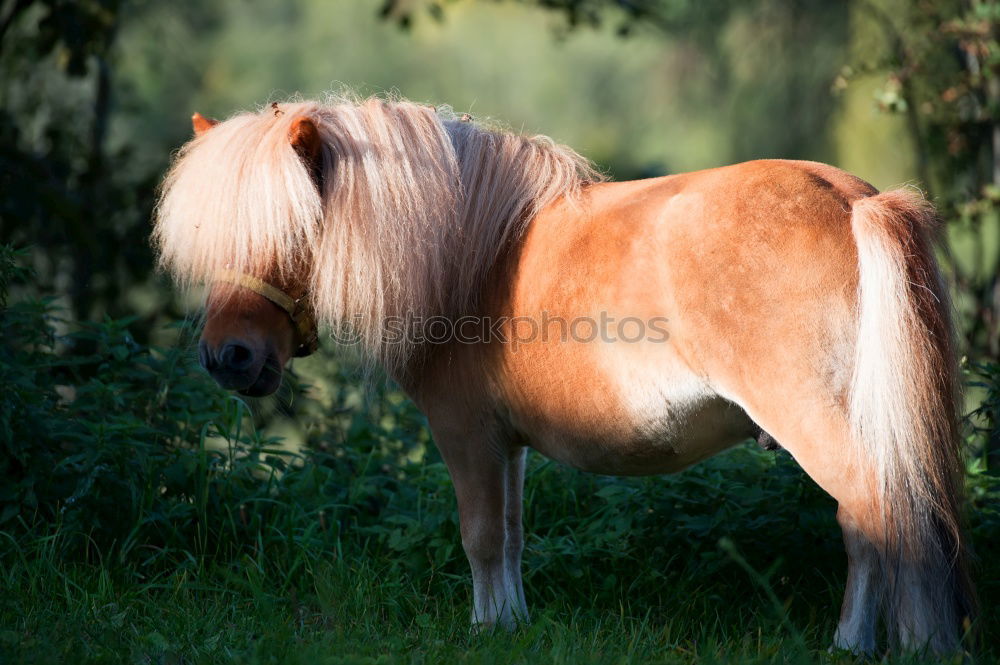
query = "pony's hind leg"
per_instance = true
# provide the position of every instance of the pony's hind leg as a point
(859, 613)
(911, 584)
(822, 445)
(912, 589)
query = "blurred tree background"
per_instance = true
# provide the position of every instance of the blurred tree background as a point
(96, 95)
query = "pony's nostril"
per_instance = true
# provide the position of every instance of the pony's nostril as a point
(205, 356)
(236, 356)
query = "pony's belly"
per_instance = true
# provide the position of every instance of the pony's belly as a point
(666, 444)
(642, 423)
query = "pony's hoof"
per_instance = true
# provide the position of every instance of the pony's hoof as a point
(855, 652)
(506, 624)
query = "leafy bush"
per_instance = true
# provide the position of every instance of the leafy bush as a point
(130, 453)
(95, 428)
(983, 428)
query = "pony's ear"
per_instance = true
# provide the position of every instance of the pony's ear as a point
(304, 137)
(202, 124)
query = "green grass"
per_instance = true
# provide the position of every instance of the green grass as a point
(357, 608)
(389, 596)
(364, 612)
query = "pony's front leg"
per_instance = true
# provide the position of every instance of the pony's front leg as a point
(487, 480)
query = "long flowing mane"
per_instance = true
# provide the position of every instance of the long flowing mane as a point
(416, 207)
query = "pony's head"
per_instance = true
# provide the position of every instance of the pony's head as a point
(258, 313)
(355, 212)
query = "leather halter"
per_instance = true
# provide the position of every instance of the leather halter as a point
(298, 311)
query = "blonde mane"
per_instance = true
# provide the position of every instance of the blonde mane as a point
(416, 207)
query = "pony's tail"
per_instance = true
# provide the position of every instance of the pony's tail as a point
(904, 404)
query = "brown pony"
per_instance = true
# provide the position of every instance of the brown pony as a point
(623, 328)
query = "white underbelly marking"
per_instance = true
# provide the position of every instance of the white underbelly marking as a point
(674, 409)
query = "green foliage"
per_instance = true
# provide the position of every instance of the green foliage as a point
(75, 30)
(983, 426)
(939, 63)
(88, 436)
(65, 191)
(691, 17)
(131, 452)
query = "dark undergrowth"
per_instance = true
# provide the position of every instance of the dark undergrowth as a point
(145, 517)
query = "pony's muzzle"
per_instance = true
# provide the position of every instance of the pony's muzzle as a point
(234, 365)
